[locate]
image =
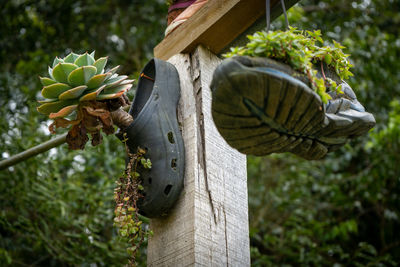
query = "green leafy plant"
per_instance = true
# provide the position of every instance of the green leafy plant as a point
(79, 83)
(301, 51)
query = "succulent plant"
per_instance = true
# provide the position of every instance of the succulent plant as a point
(79, 83)
(78, 78)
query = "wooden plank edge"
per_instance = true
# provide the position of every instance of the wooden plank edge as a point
(211, 17)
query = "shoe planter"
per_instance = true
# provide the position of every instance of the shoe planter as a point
(261, 106)
(155, 129)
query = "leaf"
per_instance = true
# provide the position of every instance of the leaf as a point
(96, 80)
(100, 111)
(113, 70)
(91, 123)
(114, 81)
(109, 96)
(97, 112)
(46, 81)
(146, 163)
(126, 82)
(131, 209)
(48, 100)
(81, 75)
(73, 93)
(60, 122)
(84, 60)
(149, 164)
(54, 90)
(92, 95)
(77, 137)
(63, 112)
(56, 61)
(52, 107)
(100, 64)
(62, 70)
(71, 58)
(114, 92)
(50, 71)
(328, 59)
(111, 76)
(121, 87)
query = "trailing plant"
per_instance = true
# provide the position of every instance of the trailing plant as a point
(301, 50)
(126, 195)
(78, 85)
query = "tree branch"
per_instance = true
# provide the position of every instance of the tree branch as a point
(33, 151)
(120, 118)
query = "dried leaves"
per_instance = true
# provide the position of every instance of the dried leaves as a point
(92, 117)
(77, 137)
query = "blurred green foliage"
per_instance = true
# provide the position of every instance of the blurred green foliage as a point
(344, 210)
(56, 209)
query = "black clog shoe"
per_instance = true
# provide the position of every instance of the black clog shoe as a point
(261, 106)
(155, 129)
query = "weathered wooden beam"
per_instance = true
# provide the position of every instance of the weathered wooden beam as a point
(258, 25)
(209, 224)
(217, 24)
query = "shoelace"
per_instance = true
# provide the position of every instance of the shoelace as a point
(147, 77)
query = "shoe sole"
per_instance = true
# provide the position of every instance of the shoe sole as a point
(261, 110)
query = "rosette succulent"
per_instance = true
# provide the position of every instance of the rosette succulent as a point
(78, 78)
(79, 84)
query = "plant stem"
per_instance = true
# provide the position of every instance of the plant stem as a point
(121, 118)
(322, 69)
(59, 140)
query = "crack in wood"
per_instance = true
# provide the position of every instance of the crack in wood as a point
(195, 72)
(226, 239)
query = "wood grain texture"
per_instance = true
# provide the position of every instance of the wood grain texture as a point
(214, 26)
(209, 224)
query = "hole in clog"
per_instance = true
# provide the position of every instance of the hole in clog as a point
(173, 164)
(171, 138)
(150, 180)
(167, 189)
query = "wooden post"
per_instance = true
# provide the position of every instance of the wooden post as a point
(209, 225)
